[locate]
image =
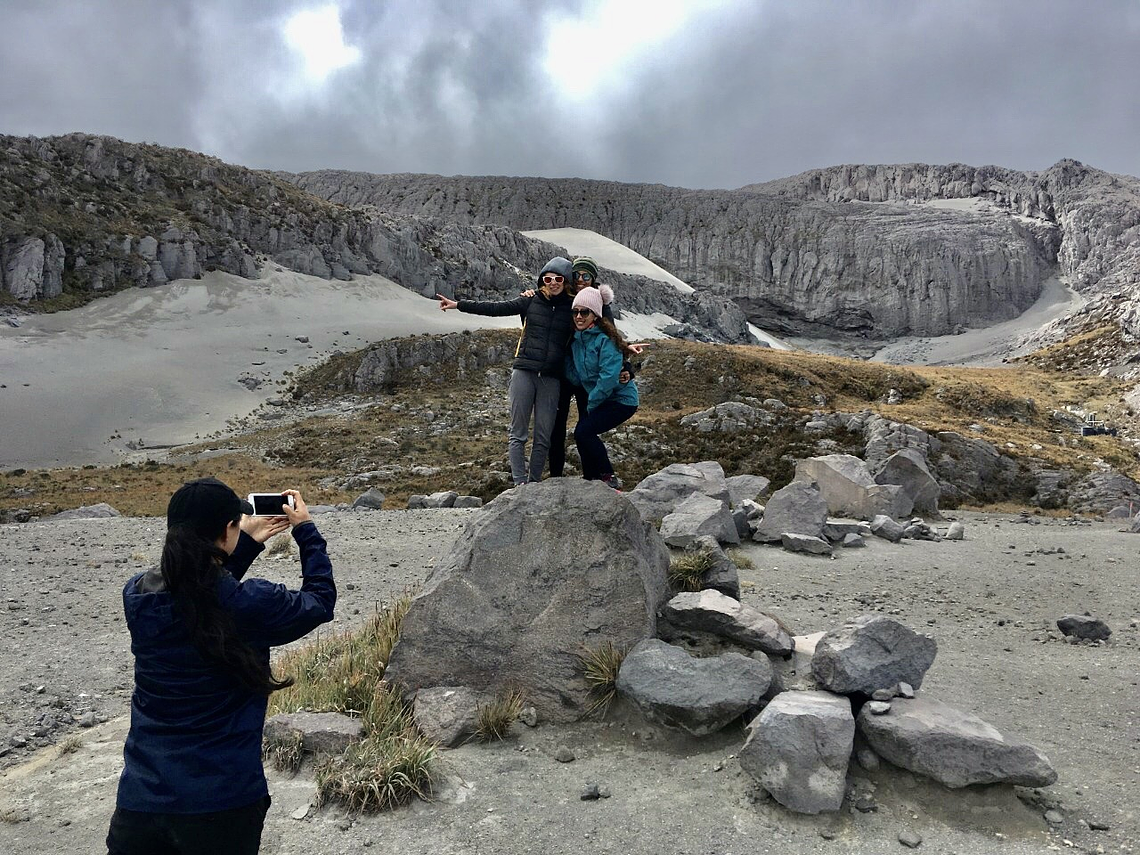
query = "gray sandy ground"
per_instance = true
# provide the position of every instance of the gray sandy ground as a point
(162, 365)
(989, 601)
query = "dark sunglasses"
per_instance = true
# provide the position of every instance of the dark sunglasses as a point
(581, 313)
(581, 274)
(551, 279)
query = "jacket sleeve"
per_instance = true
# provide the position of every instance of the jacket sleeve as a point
(628, 366)
(496, 308)
(276, 615)
(246, 550)
(609, 369)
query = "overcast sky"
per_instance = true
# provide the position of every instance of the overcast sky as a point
(697, 93)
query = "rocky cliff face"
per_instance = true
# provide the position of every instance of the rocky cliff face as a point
(795, 263)
(83, 214)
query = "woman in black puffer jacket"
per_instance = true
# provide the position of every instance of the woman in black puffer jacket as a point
(539, 359)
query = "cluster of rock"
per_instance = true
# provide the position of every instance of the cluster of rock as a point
(953, 468)
(549, 571)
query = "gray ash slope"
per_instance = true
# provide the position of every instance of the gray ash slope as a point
(832, 250)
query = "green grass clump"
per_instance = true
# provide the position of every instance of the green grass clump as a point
(494, 720)
(742, 561)
(345, 673)
(284, 751)
(600, 666)
(686, 571)
(70, 745)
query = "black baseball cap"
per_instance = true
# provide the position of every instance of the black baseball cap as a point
(207, 505)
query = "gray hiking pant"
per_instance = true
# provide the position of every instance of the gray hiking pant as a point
(531, 393)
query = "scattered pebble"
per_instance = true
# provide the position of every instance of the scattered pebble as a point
(591, 793)
(564, 755)
(910, 839)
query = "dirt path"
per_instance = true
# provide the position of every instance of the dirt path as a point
(990, 601)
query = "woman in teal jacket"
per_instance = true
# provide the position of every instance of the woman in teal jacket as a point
(595, 363)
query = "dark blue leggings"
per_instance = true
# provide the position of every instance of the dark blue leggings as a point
(587, 436)
(227, 832)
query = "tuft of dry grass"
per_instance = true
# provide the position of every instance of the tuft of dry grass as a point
(687, 570)
(494, 719)
(340, 672)
(742, 561)
(344, 673)
(70, 745)
(378, 774)
(285, 751)
(600, 666)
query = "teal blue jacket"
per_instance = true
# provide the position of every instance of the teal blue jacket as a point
(594, 363)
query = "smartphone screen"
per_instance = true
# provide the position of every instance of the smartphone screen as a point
(268, 504)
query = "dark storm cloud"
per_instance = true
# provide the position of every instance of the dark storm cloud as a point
(746, 91)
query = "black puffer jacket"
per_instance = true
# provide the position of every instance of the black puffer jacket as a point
(547, 323)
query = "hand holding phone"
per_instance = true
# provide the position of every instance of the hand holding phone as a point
(270, 504)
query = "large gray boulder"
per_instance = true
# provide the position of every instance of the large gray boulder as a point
(805, 543)
(87, 512)
(711, 612)
(657, 495)
(540, 572)
(700, 696)
(872, 652)
(907, 468)
(955, 748)
(849, 489)
(798, 749)
(798, 508)
(696, 516)
(885, 527)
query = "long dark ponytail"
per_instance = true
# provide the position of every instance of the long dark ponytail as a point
(191, 564)
(607, 326)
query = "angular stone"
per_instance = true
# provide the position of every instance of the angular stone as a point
(373, 500)
(853, 541)
(907, 468)
(742, 487)
(87, 512)
(321, 733)
(700, 696)
(657, 495)
(1083, 626)
(699, 515)
(416, 502)
(713, 613)
(849, 490)
(442, 499)
(798, 749)
(538, 573)
(886, 528)
(953, 747)
(805, 543)
(956, 531)
(837, 529)
(447, 714)
(797, 509)
(872, 652)
(468, 502)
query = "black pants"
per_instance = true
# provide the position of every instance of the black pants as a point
(606, 416)
(226, 832)
(557, 456)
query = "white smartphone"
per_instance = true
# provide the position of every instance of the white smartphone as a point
(269, 504)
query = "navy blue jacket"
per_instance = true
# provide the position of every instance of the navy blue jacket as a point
(195, 740)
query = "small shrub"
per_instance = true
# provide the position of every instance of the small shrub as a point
(71, 744)
(686, 571)
(285, 751)
(495, 719)
(600, 667)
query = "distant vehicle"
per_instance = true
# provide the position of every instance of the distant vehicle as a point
(1093, 426)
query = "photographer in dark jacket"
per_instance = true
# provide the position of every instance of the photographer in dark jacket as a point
(539, 360)
(192, 780)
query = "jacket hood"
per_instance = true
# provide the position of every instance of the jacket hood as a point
(559, 265)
